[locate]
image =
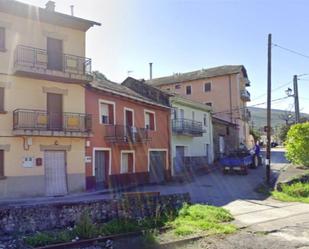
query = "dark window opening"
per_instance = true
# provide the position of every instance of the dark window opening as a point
(227, 130)
(207, 87)
(177, 86)
(188, 90)
(1, 99)
(208, 103)
(1, 163)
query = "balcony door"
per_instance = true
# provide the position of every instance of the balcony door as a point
(128, 130)
(54, 54)
(54, 111)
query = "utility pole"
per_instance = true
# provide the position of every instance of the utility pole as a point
(268, 151)
(296, 101)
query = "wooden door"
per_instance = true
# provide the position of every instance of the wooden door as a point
(101, 168)
(157, 166)
(54, 111)
(55, 173)
(179, 160)
(129, 118)
(54, 54)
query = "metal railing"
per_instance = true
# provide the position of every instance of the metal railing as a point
(126, 134)
(187, 126)
(37, 120)
(244, 94)
(38, 59)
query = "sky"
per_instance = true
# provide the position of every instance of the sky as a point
(184, 35)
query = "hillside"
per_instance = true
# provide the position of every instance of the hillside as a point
(258, 116)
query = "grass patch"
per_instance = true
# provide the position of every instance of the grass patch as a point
(201, 218)
(296, 192)
(189, 220)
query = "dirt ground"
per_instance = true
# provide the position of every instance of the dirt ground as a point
(244, 240)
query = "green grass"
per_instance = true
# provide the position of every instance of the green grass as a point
(202, 218)
(189, 220)
(297, 192)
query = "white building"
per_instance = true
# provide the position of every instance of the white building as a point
(192, 135)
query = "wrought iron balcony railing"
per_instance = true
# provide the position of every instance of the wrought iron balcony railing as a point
(126, 134)
(245, 95)
(187, 127)
(38, 61)
(37, 120)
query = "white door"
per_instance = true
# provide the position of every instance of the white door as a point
(221, 144)
(55, 173)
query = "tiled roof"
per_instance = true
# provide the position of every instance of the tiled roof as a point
(199, 74)
(116, 88)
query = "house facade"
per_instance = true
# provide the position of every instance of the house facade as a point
(192, 139)
(43, 124)
(191, 128)
(223, 88)
(131, 145)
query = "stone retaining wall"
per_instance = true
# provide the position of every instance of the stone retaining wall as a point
(31, 218)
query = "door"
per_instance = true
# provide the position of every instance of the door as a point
(54, 54)
(221, 144)
(54, 111)
(129, 118)
(128, 130)
(157, 166)
(101, 166)
(55, 173)
(179, 159)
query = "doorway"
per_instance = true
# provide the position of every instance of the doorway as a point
(54, 111)
(55, 173)
(54, 54)
(101, 168)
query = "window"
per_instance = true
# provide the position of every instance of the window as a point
(181, 113)
(227, 130)
(106, 113)
(193, 115)
(174, 112)
(188, 90)
(208, 103)
(207, 87)
(150, 120)
(1, 99)
(2, 38)
(127, 162)
(205, 119)
(177, 86)
(1, 163)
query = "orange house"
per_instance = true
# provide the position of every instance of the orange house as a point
(131, 138)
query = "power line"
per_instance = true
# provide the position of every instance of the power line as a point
(291, 50)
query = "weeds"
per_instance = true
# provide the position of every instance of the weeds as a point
(297, 192)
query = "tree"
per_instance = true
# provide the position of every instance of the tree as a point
(288, 117)
(297, 144)
(281, 132)
(255, 133)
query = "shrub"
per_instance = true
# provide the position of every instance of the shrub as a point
(85, 228)
(297, 144)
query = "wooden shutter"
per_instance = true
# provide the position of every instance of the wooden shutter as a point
(1, 163)
(1, 99)
(2, 38)
(111, 114)
(151, 121)
(130, 162)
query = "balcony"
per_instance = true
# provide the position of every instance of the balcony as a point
(245, 95)
(121, 134)
(187, 127)
(246, 115)
(35, 63)
(42, 123)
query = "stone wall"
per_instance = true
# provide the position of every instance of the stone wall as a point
(31, 218)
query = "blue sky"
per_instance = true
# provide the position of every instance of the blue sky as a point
(186, 35)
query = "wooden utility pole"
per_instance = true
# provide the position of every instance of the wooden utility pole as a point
(296, 100)
(268, 150)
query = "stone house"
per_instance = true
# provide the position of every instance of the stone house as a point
(43, 124)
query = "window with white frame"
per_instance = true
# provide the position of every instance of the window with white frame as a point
(188, 90)
(150, 120)
(127, 162)
(106, 113)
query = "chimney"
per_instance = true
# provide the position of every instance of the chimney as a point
(50, 6)
(72, 10)
(150, 70)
